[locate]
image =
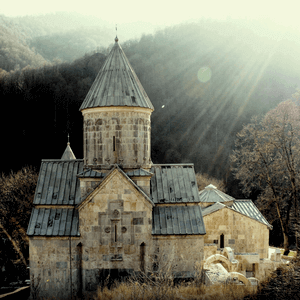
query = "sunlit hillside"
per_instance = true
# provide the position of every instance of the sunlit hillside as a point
(205, 80)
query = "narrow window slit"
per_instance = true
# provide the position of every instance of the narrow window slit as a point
(115, 233)
(114, 143)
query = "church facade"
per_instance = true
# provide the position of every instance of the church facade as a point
(114, 211)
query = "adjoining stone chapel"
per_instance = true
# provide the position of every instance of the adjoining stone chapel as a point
(114, 211)
(236, 244)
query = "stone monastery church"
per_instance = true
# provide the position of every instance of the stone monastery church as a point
(115, 212)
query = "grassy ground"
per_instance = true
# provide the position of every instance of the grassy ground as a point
(131, 291)
(284, 283)
(162, 287)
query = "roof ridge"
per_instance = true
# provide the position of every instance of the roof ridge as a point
(61, 160)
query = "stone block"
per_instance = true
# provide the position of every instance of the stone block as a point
(61, 264)
(85, 257)
(138, 229)
(96, 228)
(106, 257)
(138, 221)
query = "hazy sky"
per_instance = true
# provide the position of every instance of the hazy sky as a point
(162, 12)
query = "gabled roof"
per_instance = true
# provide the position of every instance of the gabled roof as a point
(248, 208)
(212, 194)
(53, 222)
(68, 154)
(57, 183)
(244, 207)
(107, 177)
(116, 84)
(177, 219)
(174, 183)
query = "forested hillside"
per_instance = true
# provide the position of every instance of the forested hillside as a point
(205, 79)
(15, 52)
(48, 39)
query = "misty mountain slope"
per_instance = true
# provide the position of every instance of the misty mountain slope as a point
(71, 44)
(56, 23)
(14, 49)
(65, 36)
(37, 40)
(205, 80)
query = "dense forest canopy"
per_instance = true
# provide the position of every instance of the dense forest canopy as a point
(205, 79)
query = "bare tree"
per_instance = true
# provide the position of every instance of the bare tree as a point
(204, 180)
(267, 159)
(16, 197)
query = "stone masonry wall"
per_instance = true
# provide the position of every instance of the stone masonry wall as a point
(115, 228)
(117, 135)
(50, 269)
(183, 252)
(241, 233)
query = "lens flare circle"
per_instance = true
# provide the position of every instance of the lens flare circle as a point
(204, 74)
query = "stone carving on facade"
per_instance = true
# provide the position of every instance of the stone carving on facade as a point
(116, 214)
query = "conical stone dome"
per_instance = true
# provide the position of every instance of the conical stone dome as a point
(116, 84)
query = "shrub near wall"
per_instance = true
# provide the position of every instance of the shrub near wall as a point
(283, 283)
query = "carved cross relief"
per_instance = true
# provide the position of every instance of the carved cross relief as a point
(118, 230)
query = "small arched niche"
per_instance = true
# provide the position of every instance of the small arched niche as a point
(142, 256)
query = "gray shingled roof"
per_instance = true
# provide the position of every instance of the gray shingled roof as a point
(57, 183)
(248, 208)
(53, 222)
(210, 209)
(139, 173)
(174, 183)
(68, 154)
(245, 207)
(89, 173)
(212, 194)
(116, 84)
(177, 219)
